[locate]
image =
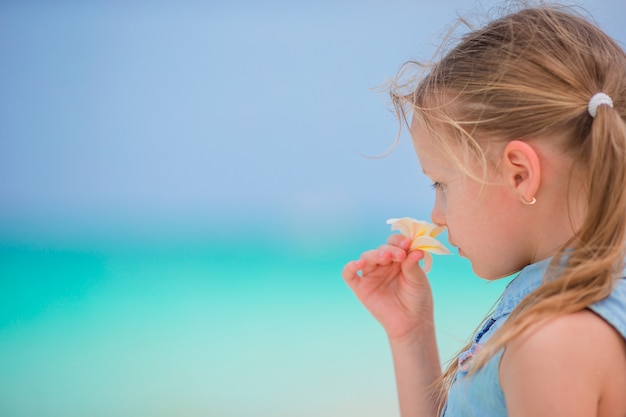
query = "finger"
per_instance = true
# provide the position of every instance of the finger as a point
(376, 259)
(350, 272)
(371, 256)
(399, 240)
(373, 259)
(390, 253)
(376, 256)
(411, 267)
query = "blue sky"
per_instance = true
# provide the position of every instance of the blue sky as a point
(192, 115)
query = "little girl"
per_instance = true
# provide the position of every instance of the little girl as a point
(521, 127)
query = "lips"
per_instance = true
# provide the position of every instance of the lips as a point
(455, 245)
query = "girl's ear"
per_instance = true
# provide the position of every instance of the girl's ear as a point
(522, 169)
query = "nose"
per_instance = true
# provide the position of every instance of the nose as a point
(437, 215)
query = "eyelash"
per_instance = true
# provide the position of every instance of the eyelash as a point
(437, 186)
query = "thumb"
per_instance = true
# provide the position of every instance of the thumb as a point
(412, 270)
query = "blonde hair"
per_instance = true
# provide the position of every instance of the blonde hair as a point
(530, 74)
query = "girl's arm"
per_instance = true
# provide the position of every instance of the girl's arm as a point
(417, 367)
(393, 287)
(573, 365)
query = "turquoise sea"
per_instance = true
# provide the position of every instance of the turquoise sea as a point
(220, 327)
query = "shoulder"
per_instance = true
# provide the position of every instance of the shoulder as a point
(565, 366)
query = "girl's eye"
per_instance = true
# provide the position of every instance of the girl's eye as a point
(437, 186)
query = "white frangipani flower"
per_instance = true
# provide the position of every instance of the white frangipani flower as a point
(422, 235)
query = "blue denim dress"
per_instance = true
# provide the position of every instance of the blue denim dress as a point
(481, 395)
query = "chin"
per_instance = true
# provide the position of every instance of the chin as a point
(487, 275)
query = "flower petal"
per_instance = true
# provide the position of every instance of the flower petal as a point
(422, 235)
(405, 225)
(436, 230)
(429, 244)
(412, 228)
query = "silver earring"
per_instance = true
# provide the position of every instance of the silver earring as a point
(528, 203)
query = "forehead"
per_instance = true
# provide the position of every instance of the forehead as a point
(420, 134)
(428, 147)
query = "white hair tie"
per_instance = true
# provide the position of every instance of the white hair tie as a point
(597, 100)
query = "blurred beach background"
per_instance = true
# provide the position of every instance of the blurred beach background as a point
(181, 183)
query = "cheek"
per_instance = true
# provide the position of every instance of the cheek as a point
(462, 206)
(477, 215)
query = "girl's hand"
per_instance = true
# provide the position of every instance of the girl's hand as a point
(392, 286)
